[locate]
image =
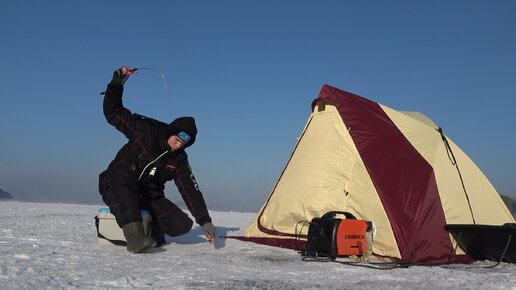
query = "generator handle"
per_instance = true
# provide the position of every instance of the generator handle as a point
(331, 214)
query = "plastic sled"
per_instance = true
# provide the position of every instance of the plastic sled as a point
(486, 242)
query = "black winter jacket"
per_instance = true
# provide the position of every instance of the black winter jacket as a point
(135, 164)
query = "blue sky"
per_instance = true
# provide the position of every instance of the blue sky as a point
(247, 71)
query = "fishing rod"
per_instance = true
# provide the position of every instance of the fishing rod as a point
(135, 69)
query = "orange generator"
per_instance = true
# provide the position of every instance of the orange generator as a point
(329, 236)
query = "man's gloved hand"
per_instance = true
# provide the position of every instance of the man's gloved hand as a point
(121, 75)
(210, 231)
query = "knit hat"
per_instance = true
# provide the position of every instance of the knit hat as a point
(185, 137)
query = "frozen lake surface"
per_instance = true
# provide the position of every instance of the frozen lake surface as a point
(54, 246)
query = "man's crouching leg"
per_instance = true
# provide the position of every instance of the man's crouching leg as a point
(123, 203)
(171, 219)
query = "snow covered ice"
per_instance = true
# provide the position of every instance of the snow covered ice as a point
(54, 246)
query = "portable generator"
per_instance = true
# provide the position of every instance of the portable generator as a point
(329, 236)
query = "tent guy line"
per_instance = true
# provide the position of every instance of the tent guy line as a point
(454, 162)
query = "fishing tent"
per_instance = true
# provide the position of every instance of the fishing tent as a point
(396, 169)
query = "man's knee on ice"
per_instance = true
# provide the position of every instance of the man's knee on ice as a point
(176, 225)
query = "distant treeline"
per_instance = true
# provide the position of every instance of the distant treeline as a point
(4, 194)
(510, 202)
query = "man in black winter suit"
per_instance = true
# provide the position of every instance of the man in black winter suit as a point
(135, 179)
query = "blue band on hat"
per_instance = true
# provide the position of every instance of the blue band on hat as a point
(184, 136)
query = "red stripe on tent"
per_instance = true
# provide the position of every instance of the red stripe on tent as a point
(405, 182)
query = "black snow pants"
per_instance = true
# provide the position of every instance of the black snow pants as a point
(126, 199)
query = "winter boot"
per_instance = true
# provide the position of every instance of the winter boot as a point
(137, 241)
